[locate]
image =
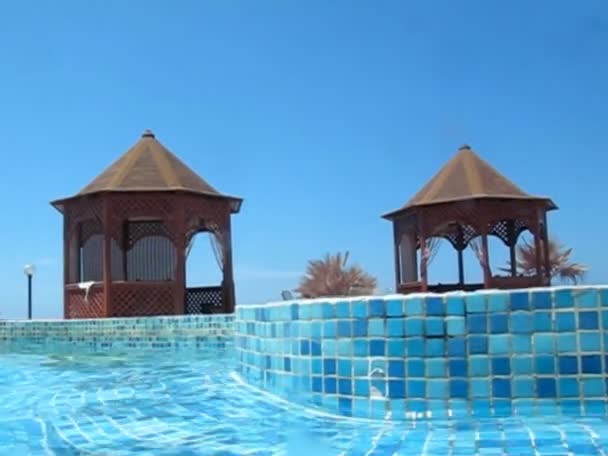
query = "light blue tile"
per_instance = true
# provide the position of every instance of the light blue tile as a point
(455, 326)
(476, 303)
(414, 307)
(375, 327)
(586, 298)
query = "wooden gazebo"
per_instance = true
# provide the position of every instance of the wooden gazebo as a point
(465, 200)
(127, 234)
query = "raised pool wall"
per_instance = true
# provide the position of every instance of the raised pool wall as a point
(123, 334)
(495, 353)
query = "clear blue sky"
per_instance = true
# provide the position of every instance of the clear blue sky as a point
(321, 114)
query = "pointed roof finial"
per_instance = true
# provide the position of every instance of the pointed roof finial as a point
(464, 147)
(147, 134)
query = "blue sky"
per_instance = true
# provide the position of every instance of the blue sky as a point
(322, 114)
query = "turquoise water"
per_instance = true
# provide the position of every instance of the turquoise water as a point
(193, 403)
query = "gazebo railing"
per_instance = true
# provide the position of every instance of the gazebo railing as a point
(204, 300)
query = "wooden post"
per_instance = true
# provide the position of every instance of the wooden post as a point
(397, 243)
(107, 257)
(513, 260)
(460, 248)
(547, 259)
(512, 241)
(486, 261)
(423, 264)
(179, 233)
(66, 259)
(228, 282)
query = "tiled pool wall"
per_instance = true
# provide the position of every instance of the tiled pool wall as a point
(540, 351)
(149, 333)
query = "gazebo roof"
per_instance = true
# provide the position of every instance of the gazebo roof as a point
(148, 166)
(467, 177)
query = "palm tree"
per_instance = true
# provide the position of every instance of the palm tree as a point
(331, 277)
(560, 264)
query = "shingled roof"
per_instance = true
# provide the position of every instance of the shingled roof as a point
(466, 177)
(149, 166)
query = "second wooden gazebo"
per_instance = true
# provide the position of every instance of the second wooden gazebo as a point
(467, 199)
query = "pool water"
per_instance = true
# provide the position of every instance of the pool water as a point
(193, 403)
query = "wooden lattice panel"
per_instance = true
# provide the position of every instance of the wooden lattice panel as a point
(135, 299)
(92, 307)
(140, 230)
(204, 300)
(133, 206)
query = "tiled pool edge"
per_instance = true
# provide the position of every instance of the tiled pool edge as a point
(484, 353)
(145, 333)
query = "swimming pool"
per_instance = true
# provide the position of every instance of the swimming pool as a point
(192, 402)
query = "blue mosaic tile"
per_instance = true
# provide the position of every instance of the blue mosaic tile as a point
(485, 354)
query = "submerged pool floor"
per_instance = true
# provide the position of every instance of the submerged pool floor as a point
(194, 404)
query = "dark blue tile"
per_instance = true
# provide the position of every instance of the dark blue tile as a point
(459, 389)
(416, 388)
(545, 387)
(457, 347)
(377, 347)
(588, 320)
(287, 364)
(476, 323)
(345, 387)
(315, 348)
(478, 345)
(305, 347)
(434, 306)
(359, 327)
(396, 389)
(329, 366)
(317, 384)
(568, 365)
(396, 368)
(501, 387)
(415, 368)
(501, 366)
(545, 364)
(520, 301)
(499, 323)
(376, 308)
(591, 364)
(330, 385)
(458, 367)
(541, 300)
(563, 299)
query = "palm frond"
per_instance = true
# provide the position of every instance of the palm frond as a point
(331, 277)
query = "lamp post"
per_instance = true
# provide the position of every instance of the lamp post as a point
(29, 270)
